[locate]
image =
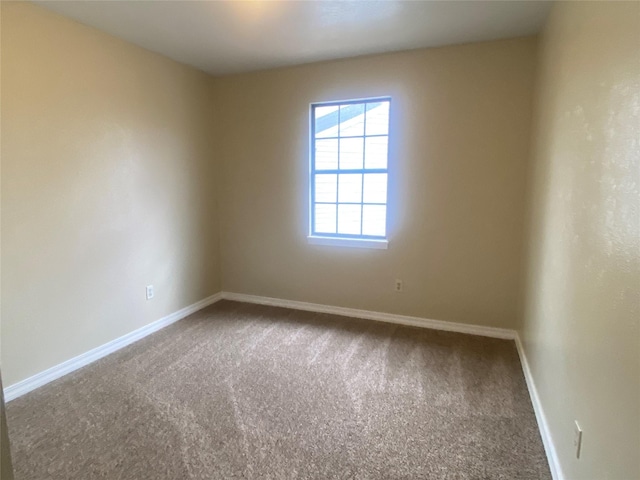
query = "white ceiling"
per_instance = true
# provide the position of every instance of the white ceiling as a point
(223, 37)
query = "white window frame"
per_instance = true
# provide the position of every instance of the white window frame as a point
(345, 240)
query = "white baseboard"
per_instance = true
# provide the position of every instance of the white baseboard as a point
(550, 450)
(377, 316)
(543, 426)
(18, 389)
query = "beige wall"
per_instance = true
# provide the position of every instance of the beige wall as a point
(108, 185)
(581, 330)
(459, 146)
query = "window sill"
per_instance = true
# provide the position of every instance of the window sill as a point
(349, 242)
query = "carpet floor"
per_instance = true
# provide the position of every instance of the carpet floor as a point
(239, 391)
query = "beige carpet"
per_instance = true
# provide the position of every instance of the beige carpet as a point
(252, 392)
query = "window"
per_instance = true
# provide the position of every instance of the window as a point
(349, 161)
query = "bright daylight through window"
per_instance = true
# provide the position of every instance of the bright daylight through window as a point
(349, 160)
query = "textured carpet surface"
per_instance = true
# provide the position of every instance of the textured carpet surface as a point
(253, 392)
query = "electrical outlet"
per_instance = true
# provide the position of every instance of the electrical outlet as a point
(577, 438)
(149, 292)
(399, 285)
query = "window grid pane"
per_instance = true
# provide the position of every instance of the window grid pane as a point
(374, 220)
(326, 154)
(374, 188)
(326, 188)
(350, 188)
(349, 218)
(325, 216)
(349, 168)
(352, 120)
(351, 153)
